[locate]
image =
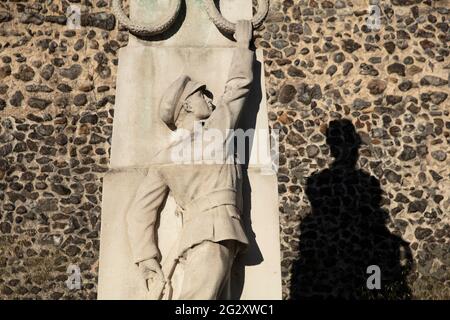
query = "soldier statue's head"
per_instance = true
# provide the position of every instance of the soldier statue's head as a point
(185, 102)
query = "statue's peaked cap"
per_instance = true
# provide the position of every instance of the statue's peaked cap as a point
(173, 98)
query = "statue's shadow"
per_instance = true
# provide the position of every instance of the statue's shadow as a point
(345, 232)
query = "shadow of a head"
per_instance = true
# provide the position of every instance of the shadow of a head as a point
(343, 141)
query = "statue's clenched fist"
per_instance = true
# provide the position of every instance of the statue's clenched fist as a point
(151, 270)
(244, 32)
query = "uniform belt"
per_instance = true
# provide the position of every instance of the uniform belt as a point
(211, 200)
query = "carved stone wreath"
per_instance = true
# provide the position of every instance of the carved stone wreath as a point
(228, 27)
(144, 29)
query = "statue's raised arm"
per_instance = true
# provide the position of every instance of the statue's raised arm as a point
(239, 81)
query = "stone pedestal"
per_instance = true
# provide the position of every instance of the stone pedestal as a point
(146, 68)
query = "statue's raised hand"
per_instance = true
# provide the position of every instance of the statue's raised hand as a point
(244, 32)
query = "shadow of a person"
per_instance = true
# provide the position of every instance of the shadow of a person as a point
(346, 231)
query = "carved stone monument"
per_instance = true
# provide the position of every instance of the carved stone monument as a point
(195, 227)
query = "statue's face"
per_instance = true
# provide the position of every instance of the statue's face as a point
(200, 105)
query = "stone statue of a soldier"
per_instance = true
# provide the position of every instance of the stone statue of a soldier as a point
(207, 195)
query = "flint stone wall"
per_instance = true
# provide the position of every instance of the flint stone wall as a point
(322, 63)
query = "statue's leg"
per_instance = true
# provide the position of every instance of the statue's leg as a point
(225, 293)
(206, 270)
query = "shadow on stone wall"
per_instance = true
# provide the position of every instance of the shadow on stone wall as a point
(346, 231)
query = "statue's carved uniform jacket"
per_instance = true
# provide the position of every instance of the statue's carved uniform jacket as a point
(209, 195)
